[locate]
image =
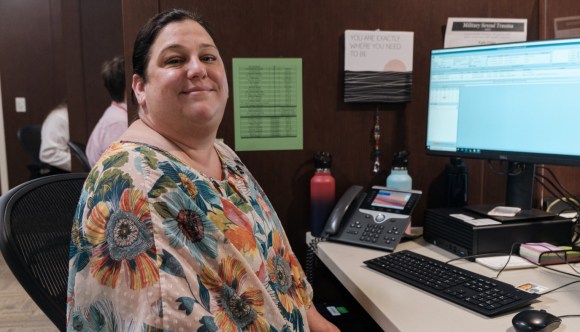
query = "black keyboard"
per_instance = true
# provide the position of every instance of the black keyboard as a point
(470, 290)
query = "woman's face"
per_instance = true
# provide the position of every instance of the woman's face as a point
(186, 84)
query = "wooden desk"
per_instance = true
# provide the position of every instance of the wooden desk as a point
(396, 306)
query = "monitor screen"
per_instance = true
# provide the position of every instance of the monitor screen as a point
(518, 102)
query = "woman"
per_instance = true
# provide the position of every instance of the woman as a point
(172, 232)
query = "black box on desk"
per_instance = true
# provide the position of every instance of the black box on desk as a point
(464, 239)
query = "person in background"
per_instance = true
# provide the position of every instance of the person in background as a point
(114, 121)
(54, 149)
(172, 232)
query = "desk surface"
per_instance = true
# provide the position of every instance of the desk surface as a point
(396, 306)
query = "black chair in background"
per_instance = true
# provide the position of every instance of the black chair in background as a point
(29, 137)
(35, 227)
(78, 150)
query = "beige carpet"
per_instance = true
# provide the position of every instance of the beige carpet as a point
(18, 312)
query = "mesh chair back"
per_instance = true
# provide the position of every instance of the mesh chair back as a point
(36, 219)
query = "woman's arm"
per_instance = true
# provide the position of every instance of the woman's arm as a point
(318, 323)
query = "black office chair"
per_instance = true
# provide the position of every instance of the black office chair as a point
(29, 138)
(35, 227)
(78, 150)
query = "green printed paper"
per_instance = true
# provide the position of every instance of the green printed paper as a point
(267, 104)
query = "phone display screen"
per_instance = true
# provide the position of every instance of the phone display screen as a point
(391, 199)
(385, 199)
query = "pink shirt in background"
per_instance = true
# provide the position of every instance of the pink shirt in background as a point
(109, 128)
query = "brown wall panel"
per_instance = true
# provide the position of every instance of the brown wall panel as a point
(550, 11)
(75, 76)
(314, 32)
(553, 10)
(59, 48)
(93, 34)
(135, 13)
(31, 67)
(102, 39)
(52, 50)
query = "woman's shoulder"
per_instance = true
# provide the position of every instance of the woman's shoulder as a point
(226, 152)
(135, 165)
(134, 150)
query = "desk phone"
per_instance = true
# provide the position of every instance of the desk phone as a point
(376, 218)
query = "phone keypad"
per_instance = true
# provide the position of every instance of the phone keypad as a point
(363, 229)
(373, 233)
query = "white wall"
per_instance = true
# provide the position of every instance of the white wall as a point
(3, 157)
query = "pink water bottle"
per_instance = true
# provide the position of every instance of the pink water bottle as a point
(322, 192)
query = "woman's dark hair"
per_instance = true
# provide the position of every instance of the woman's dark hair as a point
(148, 33)
(113, 73)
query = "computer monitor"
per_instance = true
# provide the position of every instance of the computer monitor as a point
(516, 102)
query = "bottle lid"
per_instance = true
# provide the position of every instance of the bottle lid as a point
(400, 159)
(322, 159)
(456, 164)
(456, 161)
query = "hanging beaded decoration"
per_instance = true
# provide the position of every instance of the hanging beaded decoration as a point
(377, 151)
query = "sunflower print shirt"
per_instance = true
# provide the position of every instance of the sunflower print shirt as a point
(158, 246)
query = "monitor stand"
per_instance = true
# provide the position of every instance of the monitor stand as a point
(523, 215)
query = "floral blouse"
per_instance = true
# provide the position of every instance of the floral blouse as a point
(158, 246)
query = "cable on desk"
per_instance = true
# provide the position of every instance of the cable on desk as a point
(489, 254)
(563, 195)
(559, 287)
(560, 188)
(511, 253)
(506, 171)
(568, 316)
(560, 193)
(310, 257)
(565, 259)
(562, 272)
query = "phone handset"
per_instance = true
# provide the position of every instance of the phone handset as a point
(339, 210)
